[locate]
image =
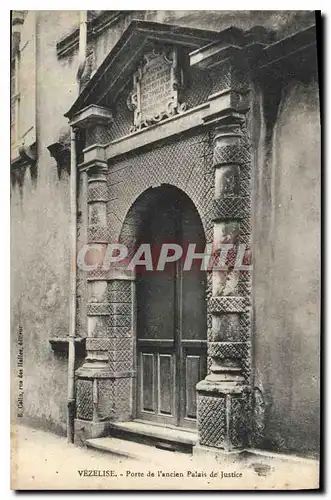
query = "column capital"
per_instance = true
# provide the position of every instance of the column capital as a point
(96, 171)
(94, 153)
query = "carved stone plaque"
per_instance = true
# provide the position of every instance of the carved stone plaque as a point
(155, 88)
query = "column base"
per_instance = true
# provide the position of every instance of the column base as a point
(223, 414)
(102, 397)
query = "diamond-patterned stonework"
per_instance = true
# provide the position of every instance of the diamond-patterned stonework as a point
(124, 308)
(97, 275)
(211, 421)
(229, 154)
(245, 325)
(182, 163)
(230, 208)
(97, 234)
(120, 331)
(84, 399)
(121, 344)
(120, 320)
(119, 285)
(227, 304)
(98, 308)
(119, 297)
(245, 282)
(97, 191)
(98, 344)
(228, 350)
(121, 356)
(246, 365)
(123, 365)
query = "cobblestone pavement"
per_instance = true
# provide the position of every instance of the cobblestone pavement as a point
(42, 460)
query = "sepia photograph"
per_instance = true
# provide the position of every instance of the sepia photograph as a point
(165, 247)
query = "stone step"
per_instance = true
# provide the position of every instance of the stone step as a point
(132, 450)
(170, 438)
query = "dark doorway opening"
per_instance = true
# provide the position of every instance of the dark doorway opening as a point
(171, 314)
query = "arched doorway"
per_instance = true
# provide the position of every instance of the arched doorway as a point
(171, 312)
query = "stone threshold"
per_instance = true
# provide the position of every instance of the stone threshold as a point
(136, 451)
(161, 437)
(155, 432)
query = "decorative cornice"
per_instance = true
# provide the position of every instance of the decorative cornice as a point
(90, 116)
(256, 48)
(288, 46)
(61, 154)
(61, 345)
(96, 169)
(231, 45)
(221, 109)
(224, 103)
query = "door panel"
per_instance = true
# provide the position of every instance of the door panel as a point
(157, 398)
(147, 381)
(166, 384)
(192, 370)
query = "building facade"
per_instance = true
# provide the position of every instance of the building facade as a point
(143, 128)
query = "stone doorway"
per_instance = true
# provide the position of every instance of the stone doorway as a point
(171, 314)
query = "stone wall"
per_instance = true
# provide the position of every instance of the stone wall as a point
(286, 283)
(40, 242)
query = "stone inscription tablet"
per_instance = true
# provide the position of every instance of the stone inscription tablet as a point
(155, 88)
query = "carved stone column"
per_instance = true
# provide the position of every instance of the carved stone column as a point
(98, 308)
(223, 396)
(99, 381)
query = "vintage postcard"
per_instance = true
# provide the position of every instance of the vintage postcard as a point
(165, 250)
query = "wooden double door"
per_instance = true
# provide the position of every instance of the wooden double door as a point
(171, 317)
